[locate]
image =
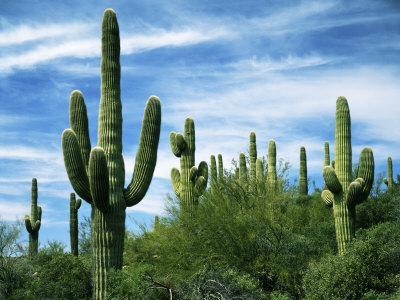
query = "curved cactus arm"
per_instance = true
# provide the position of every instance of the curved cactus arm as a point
(200, 185)
(39, 213)
(177, 143)
(78, 204)
(28, 224)
(193, 174)
(36, 227)
(202, 170)
(98, 178)
(78, 121)
(331, 180)
(74, 165)
(146, 156)
(366, 170)
(176, 180)
(328, 197)
(354, 192)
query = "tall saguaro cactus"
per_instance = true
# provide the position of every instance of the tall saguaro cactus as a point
(260, 176)
(253, 156)
(216, 172)
(389, 179)
(327, 157)
(343, 192)
(97, 175)
(303, 180)
(243, 179)
(272, 177)
(220, 168)
(33, 222)
(190, 182)
(74, 205)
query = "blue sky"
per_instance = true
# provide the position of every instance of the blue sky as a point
(274, 67)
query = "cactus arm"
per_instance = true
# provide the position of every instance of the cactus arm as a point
(193, 174)
(177, 143)
(331, 180)
(389, 180)
(39, 213)
(78, 121)
(272, 177)
(203, 170)
(176, 180)
(98, 178)
(213, 171)
(200, 185)
(78, 204)
(366, 168)
(28, 224)
(74, 165)
(354, 192)
(36, 227)
(328, 197)
(242, 168)
(202, 177)
(146, 156)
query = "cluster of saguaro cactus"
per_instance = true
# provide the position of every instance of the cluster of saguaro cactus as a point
(33, 222)
(190, 182)
(272, 177)
(216, 172)
(389, 181)
(303, 180)
(342, 192)
(97, 175)
(74, 205)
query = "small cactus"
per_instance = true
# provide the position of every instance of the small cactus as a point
(327, 157)
(220, 168)
(272, 177)
(343, 192)
(389, 179)
(303, 181)
(260, 175)
(74, 205)
(33, 222)
(190, 182)
(216, 172)
(243, 180)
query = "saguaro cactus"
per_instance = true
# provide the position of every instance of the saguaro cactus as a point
(216, 172)
(343, 193)
(260, 176)
(189, 183)
(303, 180)
(97, 175)
(272, 178)
(243, 180)
(74, 205)
(389, 179)
(33, 222)
(253, 156)
(220, 168)
(327, 157)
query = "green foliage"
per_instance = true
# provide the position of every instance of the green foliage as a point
(61, 276)
(371, 264)
(97, 175)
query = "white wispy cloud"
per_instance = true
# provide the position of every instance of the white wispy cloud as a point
(12, 211)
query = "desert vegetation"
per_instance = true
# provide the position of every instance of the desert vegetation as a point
(235, 230)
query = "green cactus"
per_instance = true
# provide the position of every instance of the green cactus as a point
(327, 157)
(272, 177)
(260, 175)
(74, 206)
(253, 156)
(343, 193)
(333, 163)
(389, 179)
(33, 222)
(220, 168)
(243, 180)
(303, 180)
(98, 175)
(189, 183)
(213, 173)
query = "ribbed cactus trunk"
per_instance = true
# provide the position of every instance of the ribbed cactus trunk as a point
(303, 180)
(98, 178)
(33, 222)
(74, 206)
(213, 174)
(389, 179)
(190, 182)
(344, 193)
(327, 157)
(260, 177)
(272, 178)
(243, 179)
(220, 168)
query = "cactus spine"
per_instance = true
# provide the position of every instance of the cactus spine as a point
(190, 182)
(272, 178)
(343, 193)
(33, 222)
(303, 181)
(389, 180)
(74, 206)
(97, 175)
